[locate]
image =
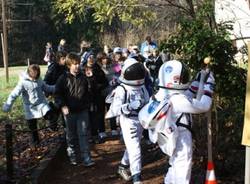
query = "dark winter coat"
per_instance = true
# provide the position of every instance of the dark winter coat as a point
(100, 78)
(73, 92)
(53, 73)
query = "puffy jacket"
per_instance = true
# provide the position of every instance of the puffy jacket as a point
(32, 92)
(73, 92)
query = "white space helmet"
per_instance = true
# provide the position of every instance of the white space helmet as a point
(117, 50)
(133, 72)
(173, 75)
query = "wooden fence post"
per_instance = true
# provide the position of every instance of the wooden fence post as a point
(5, 42)
(9, 150)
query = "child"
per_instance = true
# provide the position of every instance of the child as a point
(73, 98)
(168, 117)
(49, 54)
(104, 61)
(56, 69)
(129, 98)
(101, 83)
(62, 46)
(32, 89)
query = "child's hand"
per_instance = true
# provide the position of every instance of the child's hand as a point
(210, 84)
(6, 107)
(65, 110)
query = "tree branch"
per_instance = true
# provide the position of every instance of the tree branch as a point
(190, 11)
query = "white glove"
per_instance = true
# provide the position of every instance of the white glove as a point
(135, 105)
(201, 73)
(209, 85)
(194, 86)
(6, 107)
(211, 79)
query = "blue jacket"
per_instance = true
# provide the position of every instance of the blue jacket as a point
(34, 101)
(145, 44)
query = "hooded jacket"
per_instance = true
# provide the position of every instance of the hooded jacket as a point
(32, 92)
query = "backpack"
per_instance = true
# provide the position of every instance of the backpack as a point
(163, 127)
(110, 97)
(109, 100)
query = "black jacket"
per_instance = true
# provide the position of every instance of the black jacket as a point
(53, 73)
(73, 92)
(100, 78)
(154, 65)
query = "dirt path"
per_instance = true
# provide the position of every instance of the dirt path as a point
(107, 157)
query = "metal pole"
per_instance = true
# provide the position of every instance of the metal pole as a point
(246, 130)
(5, 53)
(247, 165)
(209, 136)
(9, 150)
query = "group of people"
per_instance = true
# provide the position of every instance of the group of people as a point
(124, 82)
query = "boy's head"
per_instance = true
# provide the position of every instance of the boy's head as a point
(61, 57)
(102, 58)
(155, 52)
(34, 71)
(72, 58)
(148, 39)
(85, 44)
(73, 62)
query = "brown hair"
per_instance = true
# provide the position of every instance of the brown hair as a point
(72, 58)
(59, 55)
(34, 71)
(100, 56)
(148, 38)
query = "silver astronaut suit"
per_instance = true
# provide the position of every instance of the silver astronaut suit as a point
(129, 98)
(175, 100)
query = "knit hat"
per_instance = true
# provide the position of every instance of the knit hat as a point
(88, 54)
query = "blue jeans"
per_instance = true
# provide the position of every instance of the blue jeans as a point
(76, 129)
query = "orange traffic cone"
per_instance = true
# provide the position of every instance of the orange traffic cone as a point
(210, 176)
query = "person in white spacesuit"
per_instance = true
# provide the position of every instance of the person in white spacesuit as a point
(129, 97)
(168, 116)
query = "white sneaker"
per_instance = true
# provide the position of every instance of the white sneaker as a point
(102, 135)
(114, 133)
(124, 173)
(72, 161)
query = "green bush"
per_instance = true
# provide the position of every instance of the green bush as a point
(196, 39)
